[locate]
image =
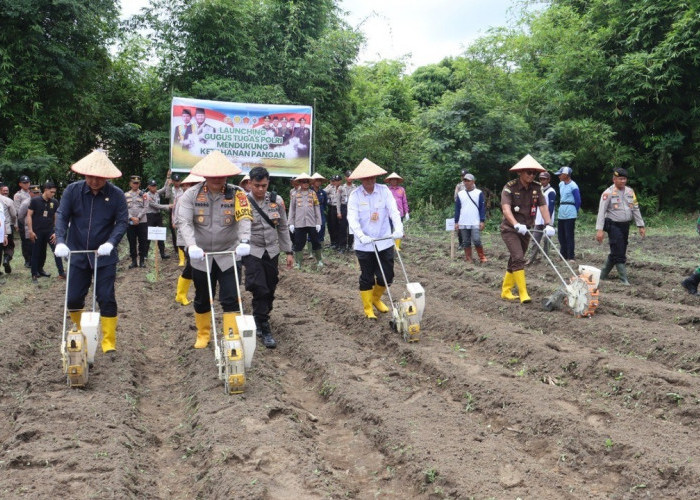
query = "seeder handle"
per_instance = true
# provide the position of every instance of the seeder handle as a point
(65, 298)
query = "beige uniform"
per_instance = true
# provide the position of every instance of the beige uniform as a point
(618, 206)
(265, 238)
(215, 222)
(332, 192)
(152, 203)
(136, 204)
(304, 209)
(20, 197)
(343, 194)
(10, 213)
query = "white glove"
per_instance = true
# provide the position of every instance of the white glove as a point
(105, 249)
(318, 229)
(195, 252)
(365, 240)
(406, 217)
(243, 249)
(549, 230)
(291, 229)
(397, 235)
(61, 251)
(521, 228)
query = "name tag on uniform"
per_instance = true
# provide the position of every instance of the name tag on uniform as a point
(46, 213)
(374, 217)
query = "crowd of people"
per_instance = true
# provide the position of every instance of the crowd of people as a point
(252, 223)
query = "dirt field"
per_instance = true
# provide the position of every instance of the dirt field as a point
(497, 400)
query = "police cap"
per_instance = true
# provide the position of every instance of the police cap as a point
(24, 178)
(152, 182)
(135, 178)
(620, 172)
(175, 177)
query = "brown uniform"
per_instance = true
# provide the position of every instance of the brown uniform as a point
(304, 209)
(523, 203)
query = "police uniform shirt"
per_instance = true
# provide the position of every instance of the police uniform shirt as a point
(618, 206)
(152, 203)
(10, 213)
(344, 193)
(304, 209)
(523, 202)
(264, 237)
(215, 222)
(20, 197)
(369, 214)
(22, 211)
(136, 204)
(44, 212)
(332, 192)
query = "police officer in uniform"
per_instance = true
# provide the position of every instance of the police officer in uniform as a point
(269, 236)
(153, 209)
(214, 216)
(8, 249)
(24, 194)
(322, 196)
(40, 224)
(305, 220)
(345, 240)
(618, 207)
(98, 217)
(137, 231)
(520, 200)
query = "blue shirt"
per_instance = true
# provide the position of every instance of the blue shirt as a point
(94, 220)
(569, 200)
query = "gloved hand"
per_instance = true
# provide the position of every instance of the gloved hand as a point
(365, 240)
(549, 231)
(318, 229)
(406, 217)
(62, 251)
(291, 228)
(195, 252)
(243, 249)
(397, 235)
(521, 228)
(105, 249)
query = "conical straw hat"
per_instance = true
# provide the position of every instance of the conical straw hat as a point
(393, 175)
(302, 177)
(215, 164)
(245, 178)
(193, 179)
(318, 176)
(527, 163)
(98, 164)
(366, 168)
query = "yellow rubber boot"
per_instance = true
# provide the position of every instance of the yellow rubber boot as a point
(183, 286)
(506, 288)
(203, 322)
(75, 317)
(398, 244)
(230, 328)
(367, 296)
(519, 277)
(109, 333)
(183, 261)
(377, 293)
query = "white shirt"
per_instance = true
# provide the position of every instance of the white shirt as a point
(369, 215)
(469, 209)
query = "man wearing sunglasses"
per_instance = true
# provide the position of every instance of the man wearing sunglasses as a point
(520, 200)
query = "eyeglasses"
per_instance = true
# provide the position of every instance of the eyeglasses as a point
(530, 172)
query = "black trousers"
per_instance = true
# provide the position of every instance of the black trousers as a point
(333, 224)
(156, 220)
(7, 251)
(228, 295)
(371, 273)
(138, 240)
(618, 237)
(187, 270)
(39, 253)
(567, 230)
(343, 227)
(261, 278)
(173, 231)
(301, 234)
(26, 245)
(79, 282)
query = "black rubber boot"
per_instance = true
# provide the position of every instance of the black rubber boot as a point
(6, 264)
(606, 270)
(691, 283)
(133, 263)
(622, 273)
(142, 262)
(267, 339)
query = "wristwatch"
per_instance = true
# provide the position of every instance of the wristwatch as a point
(245, 241)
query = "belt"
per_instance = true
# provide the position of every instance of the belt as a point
(567, 203)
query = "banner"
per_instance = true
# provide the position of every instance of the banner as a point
(277, 137)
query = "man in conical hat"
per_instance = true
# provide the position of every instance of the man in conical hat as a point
(520, 200)
(393, 180)
(372, 212)
(98, 216)
(214, 216)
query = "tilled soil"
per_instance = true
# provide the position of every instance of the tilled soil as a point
(497, 400)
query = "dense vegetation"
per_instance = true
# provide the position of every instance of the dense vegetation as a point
(587, 83)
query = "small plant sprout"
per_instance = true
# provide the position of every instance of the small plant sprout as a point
(609, 444)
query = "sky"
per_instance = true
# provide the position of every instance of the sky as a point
(429, 30)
